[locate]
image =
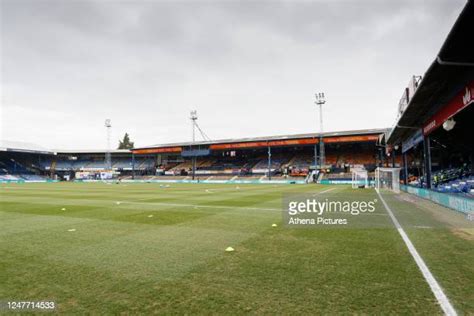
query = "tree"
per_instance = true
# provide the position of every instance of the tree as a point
(125, 143)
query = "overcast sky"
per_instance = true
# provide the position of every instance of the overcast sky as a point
(250, 68)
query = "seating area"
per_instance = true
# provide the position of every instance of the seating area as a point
(12, 166)
(97, 164)
(341, 157)
(452, 180)
(182, 166)
(20, 177)
(227, 163)
(298, 166)
(216, 165)
(464, 185)
(9, 177)
(33, 177)
(122, 163)
(289, 163)
(19, 168)
(262, 165)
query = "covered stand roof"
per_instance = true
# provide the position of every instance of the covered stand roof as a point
(354, 135)
(93, 151)
(6, 145)
(449, 73)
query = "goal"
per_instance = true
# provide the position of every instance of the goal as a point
(359, 179)
(387, 178)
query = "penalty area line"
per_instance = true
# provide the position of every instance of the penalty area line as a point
(442, 299)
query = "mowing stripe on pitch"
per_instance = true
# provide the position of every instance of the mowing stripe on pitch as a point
(442, 299)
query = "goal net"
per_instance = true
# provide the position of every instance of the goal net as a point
(387, 178)
(359, 179)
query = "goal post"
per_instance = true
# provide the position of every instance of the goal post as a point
(360, 178)
(387, 178)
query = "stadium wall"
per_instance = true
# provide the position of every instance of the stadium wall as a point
(205, 181)
(343, 181)
(27, 181)
(457, 203)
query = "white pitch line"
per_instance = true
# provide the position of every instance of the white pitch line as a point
(204, 206)
(325, 191)
(442, 299)
(328, 190)
(213, 206)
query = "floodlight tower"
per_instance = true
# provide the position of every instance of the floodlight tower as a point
(108, 160)
(193, 119)
(320, 100)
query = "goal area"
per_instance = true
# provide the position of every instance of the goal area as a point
(360, 179)
(387, 178)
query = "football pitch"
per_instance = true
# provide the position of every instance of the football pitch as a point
(97, 248)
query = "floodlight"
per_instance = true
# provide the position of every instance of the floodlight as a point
(449, 124)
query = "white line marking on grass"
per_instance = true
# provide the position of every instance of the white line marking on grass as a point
(442, 299)
(197, 206)
(328, 190)
(204, 206)
(325, 191)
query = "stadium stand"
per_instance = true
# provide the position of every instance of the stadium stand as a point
(292, 157)
(261, 167)
(299, 165)
(453, 180)
(433, 130)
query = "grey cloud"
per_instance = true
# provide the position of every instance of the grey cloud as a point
(147, 63)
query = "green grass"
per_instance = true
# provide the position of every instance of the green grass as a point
(121, 260)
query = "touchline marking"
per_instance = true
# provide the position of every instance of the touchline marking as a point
(443, 300)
